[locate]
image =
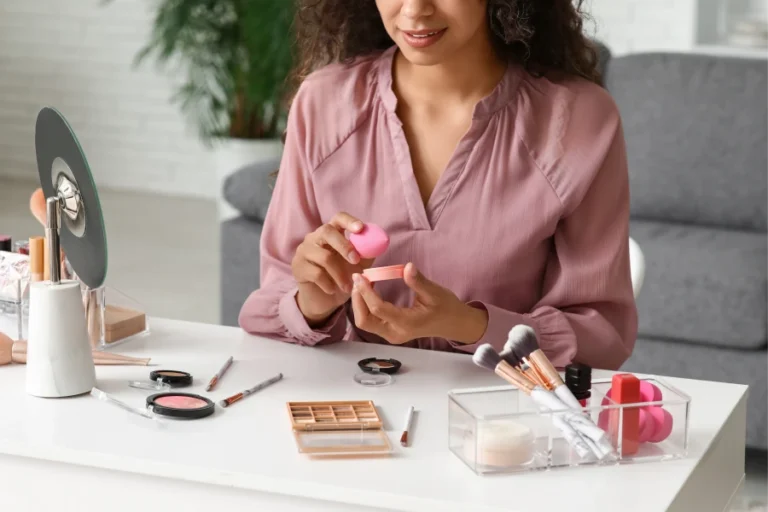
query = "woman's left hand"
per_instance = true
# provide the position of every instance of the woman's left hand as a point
(436, 312)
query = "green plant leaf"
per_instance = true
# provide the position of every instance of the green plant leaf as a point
(234, 57)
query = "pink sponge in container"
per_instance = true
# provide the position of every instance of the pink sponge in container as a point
(370, 242)
(663, 424)
(655, 422)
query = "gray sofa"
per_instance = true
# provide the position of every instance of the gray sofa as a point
(696, 140)
(696, 137)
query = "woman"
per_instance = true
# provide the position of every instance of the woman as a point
(474, 133)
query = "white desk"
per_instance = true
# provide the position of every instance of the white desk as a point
(82, 454)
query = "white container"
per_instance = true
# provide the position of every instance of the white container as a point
(59, 360)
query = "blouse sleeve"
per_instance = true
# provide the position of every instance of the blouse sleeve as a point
(272, 310)
(587, 310)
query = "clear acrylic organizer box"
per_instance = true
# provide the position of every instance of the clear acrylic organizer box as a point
(14, 311)
(112, 317)
(502, 430)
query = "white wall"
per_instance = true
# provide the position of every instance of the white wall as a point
(635, 25)
(674, 25)
(76, 55)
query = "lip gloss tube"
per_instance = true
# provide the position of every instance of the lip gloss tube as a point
(624, 422)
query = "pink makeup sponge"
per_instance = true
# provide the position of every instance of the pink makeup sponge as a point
(647, 423)
(603, 419)
(655, 421)
(370, 242)
(663, 420)
(649, 392)
(647, 426)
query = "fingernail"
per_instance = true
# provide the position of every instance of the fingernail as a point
(353, 257)
(357, 226)
(356, 278)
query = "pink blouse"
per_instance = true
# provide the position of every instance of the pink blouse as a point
(529, 220)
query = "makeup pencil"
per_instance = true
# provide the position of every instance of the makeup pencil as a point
(215, 379)
(234, 398)
(407, 427)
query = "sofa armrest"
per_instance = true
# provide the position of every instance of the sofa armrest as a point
(240, 262)
(249, 190)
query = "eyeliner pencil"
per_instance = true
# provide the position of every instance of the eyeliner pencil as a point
(234, 398)
(215, 379)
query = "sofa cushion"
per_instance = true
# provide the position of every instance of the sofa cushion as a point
(249, 189)
(703, 285)
(240, 265)
(696, 128)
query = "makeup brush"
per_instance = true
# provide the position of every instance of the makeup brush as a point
(514, 361)
(510, 357)
(6, 349)
(594, 438)
(16, 352)
(103, 356)
(592, 435)
(486, 357)
(523, 343)
(102, 359)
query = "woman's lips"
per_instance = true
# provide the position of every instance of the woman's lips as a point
(423, 38)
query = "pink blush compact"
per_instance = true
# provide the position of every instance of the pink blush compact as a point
(370, 242)
(180, 402)
(180, 405)
(384, 273)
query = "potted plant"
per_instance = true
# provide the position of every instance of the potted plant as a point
(235, 57)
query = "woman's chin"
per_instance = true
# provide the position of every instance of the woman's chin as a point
(422, 57)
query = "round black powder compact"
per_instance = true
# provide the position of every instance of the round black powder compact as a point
(378, 365)
(376, 371)
(164, 380)
(173, 378)
(180, 405)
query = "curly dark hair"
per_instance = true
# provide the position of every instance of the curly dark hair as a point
(544, 36)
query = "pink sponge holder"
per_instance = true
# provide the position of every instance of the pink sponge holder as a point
(474, 414)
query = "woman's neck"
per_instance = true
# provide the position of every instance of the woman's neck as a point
(467, 77)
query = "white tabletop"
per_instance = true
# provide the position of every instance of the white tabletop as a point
(249, 448)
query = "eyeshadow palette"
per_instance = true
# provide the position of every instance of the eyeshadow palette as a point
(338, 428)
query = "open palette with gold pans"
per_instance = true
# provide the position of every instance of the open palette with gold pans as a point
(340, 428)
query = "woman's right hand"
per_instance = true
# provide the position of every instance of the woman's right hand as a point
(323, 266)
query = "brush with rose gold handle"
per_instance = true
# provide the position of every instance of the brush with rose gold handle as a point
(16, 352)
